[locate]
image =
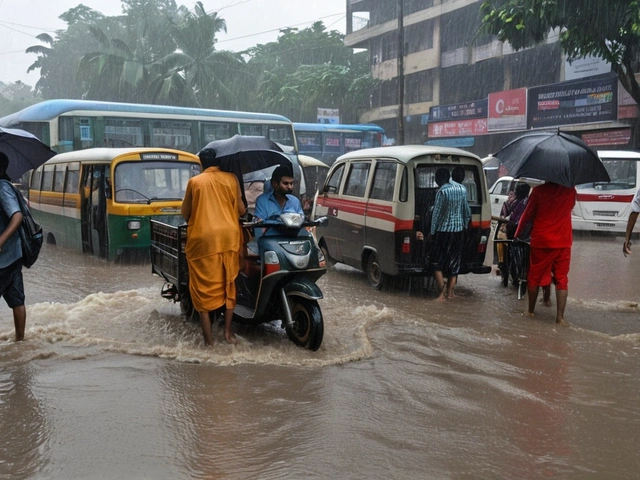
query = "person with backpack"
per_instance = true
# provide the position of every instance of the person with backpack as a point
(11, 283)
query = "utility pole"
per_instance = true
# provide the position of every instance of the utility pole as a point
(400, 139)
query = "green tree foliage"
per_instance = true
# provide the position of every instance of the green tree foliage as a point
(15, 96)
(606, 29)
(307, 69)
(159, 52)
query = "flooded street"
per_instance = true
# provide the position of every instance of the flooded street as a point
(112, 383)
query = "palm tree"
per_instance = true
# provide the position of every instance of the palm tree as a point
(43, 53)
(194, 73)
(115, 72)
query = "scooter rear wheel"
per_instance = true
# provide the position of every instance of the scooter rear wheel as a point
(307, 329)
(186, 308)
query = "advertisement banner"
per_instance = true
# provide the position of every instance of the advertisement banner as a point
(508, 110)
(607, 138)
(329, 115)
(459, 111)
(579, 101)
(458, 128)
(627, 106)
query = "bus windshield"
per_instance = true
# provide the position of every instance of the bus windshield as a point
(622, 173)
(144, 182)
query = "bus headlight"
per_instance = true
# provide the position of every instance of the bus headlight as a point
(134, 225)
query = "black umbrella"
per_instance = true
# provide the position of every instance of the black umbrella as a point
(243, 154)
(24, 151)
(553, 157)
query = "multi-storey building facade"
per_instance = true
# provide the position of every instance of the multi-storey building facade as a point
(457, 80)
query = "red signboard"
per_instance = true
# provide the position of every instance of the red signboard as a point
(458, 128)
(508, 110)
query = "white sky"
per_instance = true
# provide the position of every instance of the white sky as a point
(249, 22)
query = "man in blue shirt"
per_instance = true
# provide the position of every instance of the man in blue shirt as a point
(280, 200)
(451, 216)
(11, 284)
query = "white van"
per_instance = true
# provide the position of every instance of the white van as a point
(377, 199)
(605, 206)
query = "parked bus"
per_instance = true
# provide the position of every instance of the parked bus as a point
(605, 206)
(100, 200)
(328, 141)
(68, 125)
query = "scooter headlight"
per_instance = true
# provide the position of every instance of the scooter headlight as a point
(292, 220)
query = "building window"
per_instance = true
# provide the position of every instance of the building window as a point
(419, 87)
(418, 37)
(413, 6)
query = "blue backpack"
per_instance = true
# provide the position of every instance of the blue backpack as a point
(30, 232)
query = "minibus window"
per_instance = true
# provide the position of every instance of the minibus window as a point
(384, 180)
(356, 184)
(72, 178)
(404, 186)
(333, 184)
(47, 178)
(35, 179)
(58, 178)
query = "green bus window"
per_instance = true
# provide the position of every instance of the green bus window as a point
(123, 133)
(281, 134)
(171, 134)
(253, 130)
(215, 131)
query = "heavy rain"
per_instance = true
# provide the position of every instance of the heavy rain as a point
(381, 377)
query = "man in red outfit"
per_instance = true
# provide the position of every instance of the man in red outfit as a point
(549, 211)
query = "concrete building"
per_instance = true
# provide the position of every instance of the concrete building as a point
(467, 89)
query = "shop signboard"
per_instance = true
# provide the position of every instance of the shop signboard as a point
(508, 110)
(588, 100)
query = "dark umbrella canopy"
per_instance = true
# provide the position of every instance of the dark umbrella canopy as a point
(242, 154)
(553, 157)
(24, 151)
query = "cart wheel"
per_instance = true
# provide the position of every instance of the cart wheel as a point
(307, 329)
(186, 308)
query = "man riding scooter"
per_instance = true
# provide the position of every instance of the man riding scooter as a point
(271, 205)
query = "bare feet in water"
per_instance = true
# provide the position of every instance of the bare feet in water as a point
(528, 314)
(561, 322)
(231, 339)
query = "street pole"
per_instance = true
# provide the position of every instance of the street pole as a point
(400, 140)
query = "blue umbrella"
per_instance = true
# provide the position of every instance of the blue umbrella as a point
(24, 151)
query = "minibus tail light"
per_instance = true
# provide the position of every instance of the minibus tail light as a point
(482, 246)
(271, 262)
(406, 245)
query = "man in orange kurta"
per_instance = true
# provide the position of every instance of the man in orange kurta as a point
(212, 206)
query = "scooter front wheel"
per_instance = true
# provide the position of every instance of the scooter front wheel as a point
(307, 328)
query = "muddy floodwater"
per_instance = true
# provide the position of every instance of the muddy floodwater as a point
(112, 383)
